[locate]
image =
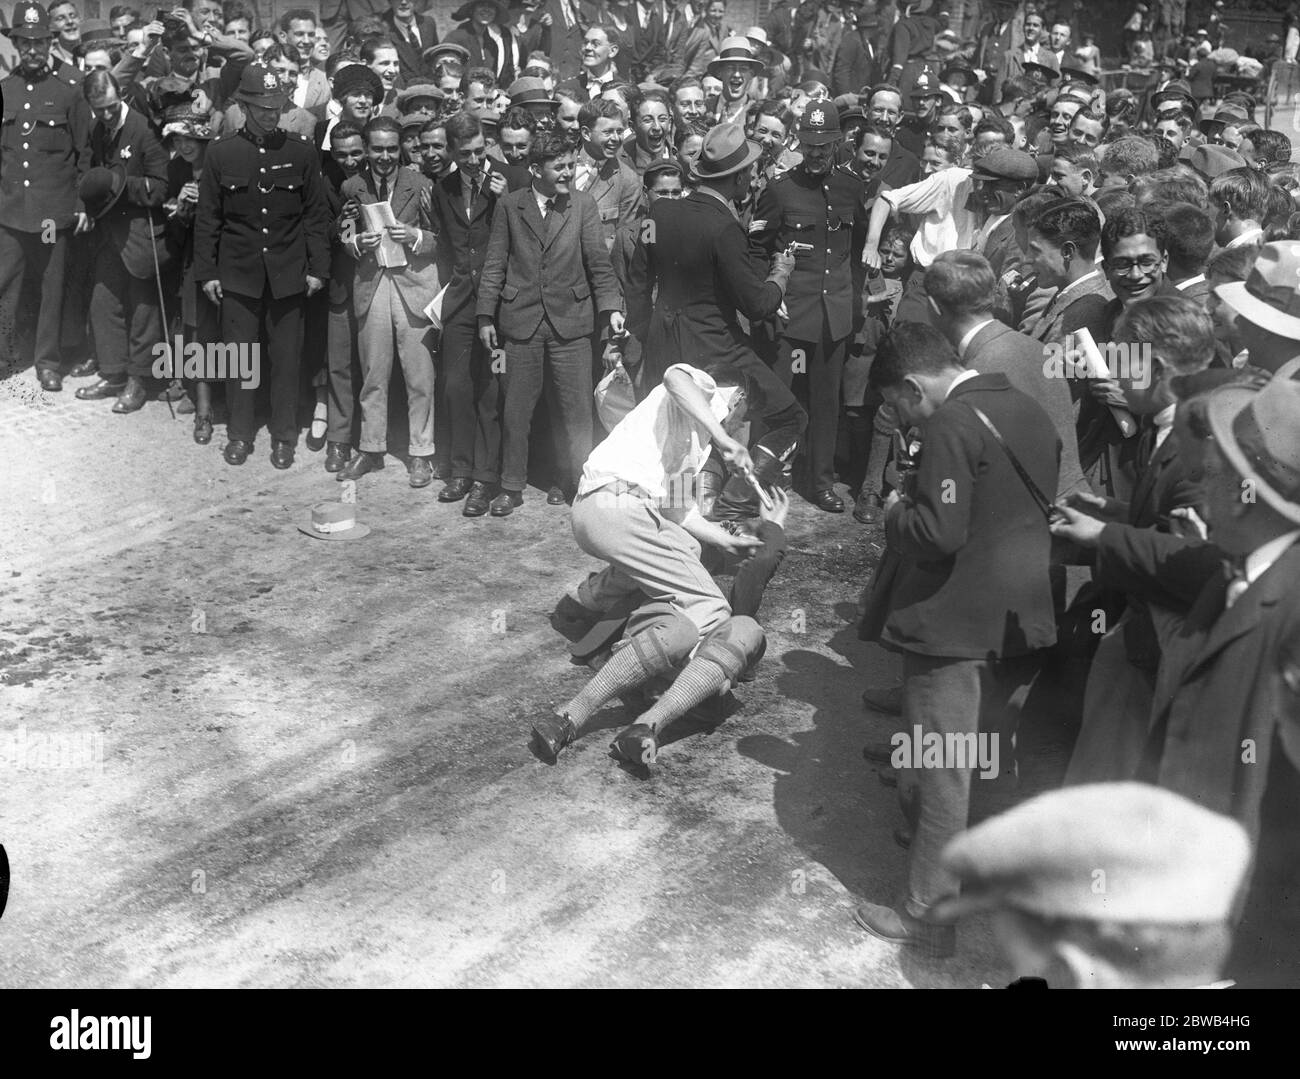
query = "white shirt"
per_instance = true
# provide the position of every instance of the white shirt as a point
(1257, 563)
(965, 376)
(968, 337)
(947, 225)
(1164, 423)
(658, 448)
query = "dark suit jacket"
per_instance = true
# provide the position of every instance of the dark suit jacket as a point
(974, 582)
(417, 281)
(696, 254)
(665, 49)
(135, 225)
(1224, 678)
(566, 42)
(408, 54)
(856, 64)
(998, 349)
(552, 269)
(901, 167)
(462, 240)
(465, 36)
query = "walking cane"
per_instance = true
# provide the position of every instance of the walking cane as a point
(162, 306)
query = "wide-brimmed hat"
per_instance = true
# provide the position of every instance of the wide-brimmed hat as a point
(183, 119)
(530, 91)
(1040, 72)
(735, 50)
(1224, 116)
(354, 77)
(757, 37)
(333, 521)
(1258, 431)
(259, 85)
(725, 151)
(465, 11)
(100, 188)
(30, 20)
(1270, 295)
(411, 98)
(820, 124)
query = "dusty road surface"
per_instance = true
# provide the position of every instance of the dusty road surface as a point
(232, 755)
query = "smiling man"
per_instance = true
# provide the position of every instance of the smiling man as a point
(735, 67)
(601, 173)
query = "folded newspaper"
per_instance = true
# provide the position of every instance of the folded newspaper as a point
(378, 217)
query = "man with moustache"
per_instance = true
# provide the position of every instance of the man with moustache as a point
(816, 205)
(39, 188)
(912, 130)
(735, 67)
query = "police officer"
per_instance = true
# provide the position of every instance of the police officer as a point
(817, 207)
(261, 248)
(44, 151)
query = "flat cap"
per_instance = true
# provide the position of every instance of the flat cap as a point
(1112, 852)
(1004, 163)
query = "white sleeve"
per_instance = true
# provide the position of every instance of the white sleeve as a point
(933, 193)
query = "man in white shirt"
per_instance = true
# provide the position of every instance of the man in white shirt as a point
(636, 510)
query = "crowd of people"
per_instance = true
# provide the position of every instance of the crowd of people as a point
(1044, 336)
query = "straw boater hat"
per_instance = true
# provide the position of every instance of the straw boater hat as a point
(725, 151)
(333, 521)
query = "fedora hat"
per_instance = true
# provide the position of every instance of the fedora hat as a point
(259, 85)
(333, 521)
(735, 50)
(31, 21)
(724, 152)
(97, 34)
(1258, 431)
(530, 91)
(100, 188)
(1211, 161)
(1270, 295)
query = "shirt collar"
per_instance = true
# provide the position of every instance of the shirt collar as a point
(968, 337)
(965, 376)
(704, 189)
(1250, 236)
(1079, 281)
(1182, 286)
(1261, 558)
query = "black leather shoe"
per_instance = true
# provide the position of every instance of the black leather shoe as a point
(51, 381)
(636, 745)
(362, 463)
(456, 489)
(551, 734)
(202, 429)
(281, 454)
(420, 470)
(237, 452)
(336, 456)
(868, 508)
(895, 927)
(555, 497)
(132, 398)
(101, 390)
(85, 369)
(479, 500)
(314, 444)
(506, 503)
(828, 501)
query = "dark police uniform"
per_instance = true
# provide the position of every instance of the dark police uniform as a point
(262, 226)
(44, 152)
(822, 297)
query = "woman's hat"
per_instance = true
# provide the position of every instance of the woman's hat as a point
(182, 119)
(356, 77)
(466, 11)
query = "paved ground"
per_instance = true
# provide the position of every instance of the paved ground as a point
(292, 763)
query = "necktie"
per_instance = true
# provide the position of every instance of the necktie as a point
(473, 196)
(1237, 583)
(383, 190)
(568, 14)
(415, 35)
(546, 208)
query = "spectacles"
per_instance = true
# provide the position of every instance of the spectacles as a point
(1146, 264)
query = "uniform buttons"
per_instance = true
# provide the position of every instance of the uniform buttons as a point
(265, 250)
(26, 165)
(27, 183)
(264, 210)
(30, 88)
(265, 231)
(27, 104)
(264, 170)
(261, 150)
(24, 146)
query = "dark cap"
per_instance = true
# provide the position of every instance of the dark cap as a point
(1004, 163)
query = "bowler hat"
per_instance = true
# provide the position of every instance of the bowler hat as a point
(1258, 431)
(30, 21)
(1167, 860)
(819, 124)
(355, 78)
(259, 85)
(100, 188)
(724, 151)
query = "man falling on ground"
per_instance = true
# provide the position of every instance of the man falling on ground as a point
(636, 510)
